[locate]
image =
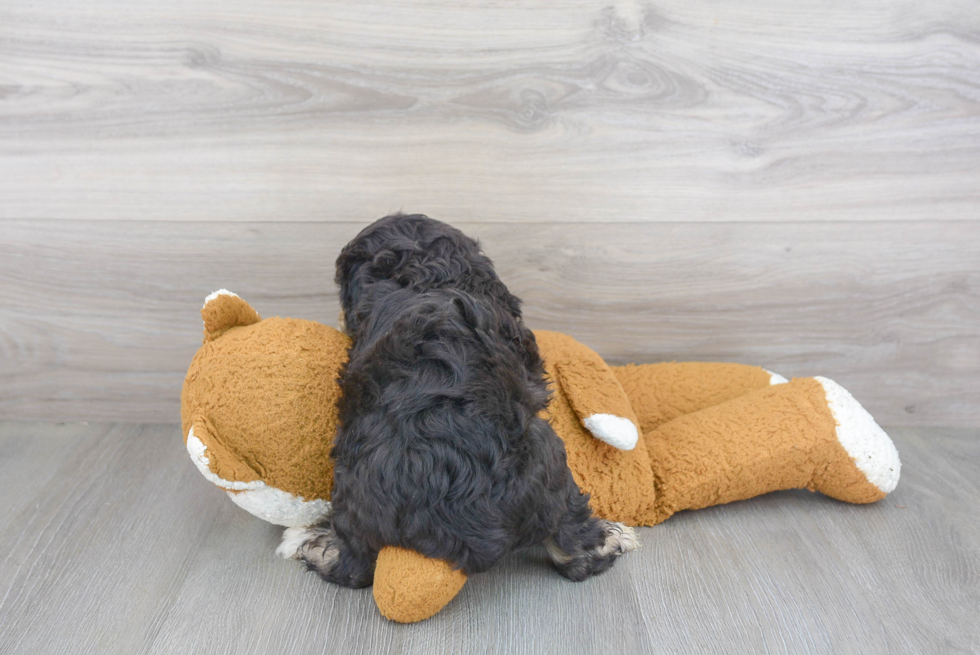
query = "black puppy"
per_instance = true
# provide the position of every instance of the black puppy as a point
(440, 447)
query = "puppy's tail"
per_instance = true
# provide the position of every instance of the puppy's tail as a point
(410, 587)
(224, 310)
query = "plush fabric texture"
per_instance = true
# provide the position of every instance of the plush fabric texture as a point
(776, 437)
(661, 392)
(409, 587)
(262, 398)
(588, 382)
(224, 311)
(620, 482)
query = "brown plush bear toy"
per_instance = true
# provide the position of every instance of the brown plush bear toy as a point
(258, 413)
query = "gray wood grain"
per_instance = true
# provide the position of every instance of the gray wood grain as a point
(113, 543)
(566, 110)
(99, 319)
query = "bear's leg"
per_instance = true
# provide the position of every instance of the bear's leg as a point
(661, 392)
(324, 551)
(808, 433)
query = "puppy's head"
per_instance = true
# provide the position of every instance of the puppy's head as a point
(413, 252)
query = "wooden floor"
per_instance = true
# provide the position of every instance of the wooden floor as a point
(112, 542)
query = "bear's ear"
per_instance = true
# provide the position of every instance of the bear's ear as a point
(224, 310)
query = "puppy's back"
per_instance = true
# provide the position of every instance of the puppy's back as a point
(440, 448)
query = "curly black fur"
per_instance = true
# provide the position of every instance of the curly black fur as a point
(418, 253)
(440, 447)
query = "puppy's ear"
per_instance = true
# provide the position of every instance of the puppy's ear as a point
(347, 267)
(474, 315)
(354, 278)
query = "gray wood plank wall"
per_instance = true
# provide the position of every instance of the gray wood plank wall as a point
(793, 184)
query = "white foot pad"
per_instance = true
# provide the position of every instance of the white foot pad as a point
(871, 448)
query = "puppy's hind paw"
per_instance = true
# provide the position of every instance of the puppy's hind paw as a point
(620, 539)
(318, 546)
(292, 540)
(577, 565)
